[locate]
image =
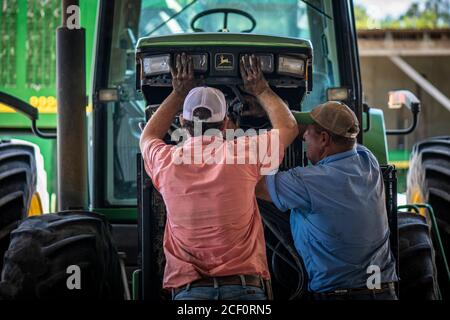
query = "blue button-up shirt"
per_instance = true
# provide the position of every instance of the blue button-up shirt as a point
(338, 219)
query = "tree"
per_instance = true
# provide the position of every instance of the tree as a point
(363, 20)
(429, 15)
(432, 14)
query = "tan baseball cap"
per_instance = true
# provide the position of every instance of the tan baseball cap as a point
(334, 116)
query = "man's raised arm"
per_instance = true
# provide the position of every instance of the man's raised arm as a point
(278, 112)
(182, 82)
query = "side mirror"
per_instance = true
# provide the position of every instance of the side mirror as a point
(404, 98)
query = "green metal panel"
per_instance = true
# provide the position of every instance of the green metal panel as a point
(8, 51)
(28, 66)
(375, 138)
(231, 39)
(135, 283)
(118, 214)
(21, 44)
(17, 120)
(43, 17)
(27, 55)
(28, 46)
(399, 155)
(400, 158)
(88, 9)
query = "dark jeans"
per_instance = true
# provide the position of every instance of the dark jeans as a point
(226, 292)
(386, 295)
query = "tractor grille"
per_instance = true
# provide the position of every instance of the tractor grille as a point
(293, 156)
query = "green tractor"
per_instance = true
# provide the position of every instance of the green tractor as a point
(28, 72)
(112, 230)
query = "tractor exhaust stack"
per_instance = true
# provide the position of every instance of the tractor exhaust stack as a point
(71, 97)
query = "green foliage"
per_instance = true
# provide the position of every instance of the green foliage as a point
(429, 15)
(361, 17)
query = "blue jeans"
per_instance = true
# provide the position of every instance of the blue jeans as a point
(226, 292)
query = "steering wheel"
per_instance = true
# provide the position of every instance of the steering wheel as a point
(225, 11)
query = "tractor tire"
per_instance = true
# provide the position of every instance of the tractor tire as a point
(429, 182)
(39, 263)
(17, 186)
(418, 278)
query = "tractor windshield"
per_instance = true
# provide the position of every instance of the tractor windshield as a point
(308, 19)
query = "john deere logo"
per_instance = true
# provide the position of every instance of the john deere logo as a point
(224, 61)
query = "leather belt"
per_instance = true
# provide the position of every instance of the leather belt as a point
(244, 280)
(364, 290)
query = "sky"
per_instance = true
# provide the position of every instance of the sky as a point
(379, 9)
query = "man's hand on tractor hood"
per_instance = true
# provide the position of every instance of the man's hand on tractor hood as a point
(182, 81)
(254, 81)
(276, 109)
(183, 75)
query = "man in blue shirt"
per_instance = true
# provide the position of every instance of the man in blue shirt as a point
(338, 212)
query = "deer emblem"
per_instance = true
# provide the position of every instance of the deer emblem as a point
(224, 60)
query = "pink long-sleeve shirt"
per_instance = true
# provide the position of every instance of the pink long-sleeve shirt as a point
(213, 226)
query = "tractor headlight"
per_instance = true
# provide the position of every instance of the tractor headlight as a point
(266, 62)
(200, 62)
(160, 64)
(291, 66)
(154, 65)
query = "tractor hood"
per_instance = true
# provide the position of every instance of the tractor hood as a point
(221, 39)
(286, 62)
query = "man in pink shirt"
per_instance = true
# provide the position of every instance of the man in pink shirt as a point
(214, 241)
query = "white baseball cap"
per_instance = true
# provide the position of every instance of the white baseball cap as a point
(205, 97)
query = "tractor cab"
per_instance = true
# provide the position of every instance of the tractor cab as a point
(296, 40)
(308, 55)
